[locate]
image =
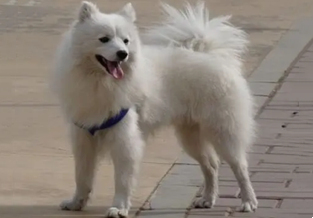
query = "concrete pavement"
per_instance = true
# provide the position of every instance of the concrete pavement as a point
(36, 164)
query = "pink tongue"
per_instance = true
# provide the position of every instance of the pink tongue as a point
(115, 70)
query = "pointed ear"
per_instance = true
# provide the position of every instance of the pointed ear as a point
(86, 10)
(128, 12)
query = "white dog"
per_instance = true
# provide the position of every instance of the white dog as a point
(115, 91)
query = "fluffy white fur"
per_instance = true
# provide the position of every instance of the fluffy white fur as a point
(188, 75)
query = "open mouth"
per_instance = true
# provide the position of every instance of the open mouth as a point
(113, 67)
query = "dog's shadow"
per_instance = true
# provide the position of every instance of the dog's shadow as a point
(52, 211)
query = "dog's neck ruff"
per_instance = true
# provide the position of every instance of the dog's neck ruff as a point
(110, 122)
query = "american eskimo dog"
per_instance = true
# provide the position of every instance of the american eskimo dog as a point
(115, 91)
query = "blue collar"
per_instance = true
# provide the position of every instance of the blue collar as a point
(106, 123)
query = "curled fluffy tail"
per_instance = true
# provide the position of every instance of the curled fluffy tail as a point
(191, 28)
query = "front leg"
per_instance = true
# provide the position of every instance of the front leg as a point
(126, 155)
(84, 150)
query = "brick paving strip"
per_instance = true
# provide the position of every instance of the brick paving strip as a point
(281, 163)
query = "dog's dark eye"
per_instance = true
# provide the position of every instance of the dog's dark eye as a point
(126, 41)
(104, 39)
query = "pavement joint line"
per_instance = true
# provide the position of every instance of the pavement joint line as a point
(279, 203)
(197, 194)
(283, 77)
(294, 52)
(137, 213)
(188, 164)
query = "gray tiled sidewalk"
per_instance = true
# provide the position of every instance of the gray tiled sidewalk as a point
(281, 163)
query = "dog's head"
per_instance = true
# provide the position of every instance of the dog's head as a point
(110, 40)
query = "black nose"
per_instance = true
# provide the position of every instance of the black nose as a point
(122, 54)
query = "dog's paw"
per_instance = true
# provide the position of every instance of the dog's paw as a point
(249, 206)
(203, 203)
(114, 212)
(73, 204)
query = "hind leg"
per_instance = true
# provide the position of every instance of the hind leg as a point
(194, 145)
(232, 149)
(240, 169)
